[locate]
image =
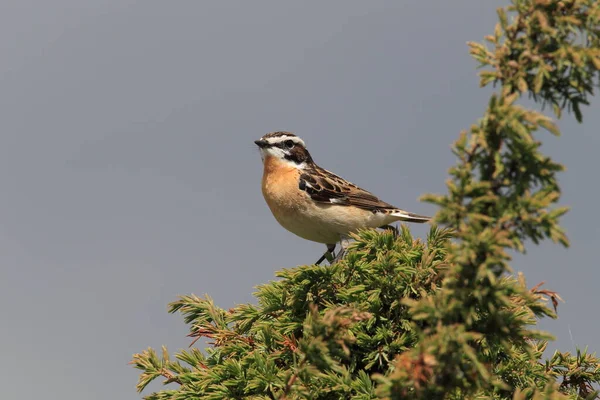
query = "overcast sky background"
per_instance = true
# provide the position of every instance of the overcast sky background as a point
(129, 174)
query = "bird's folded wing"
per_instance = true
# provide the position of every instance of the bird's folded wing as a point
(325, 187)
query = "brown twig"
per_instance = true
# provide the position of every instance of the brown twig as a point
(291, 381)
(171, 377)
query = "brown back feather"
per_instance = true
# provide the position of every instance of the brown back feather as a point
(326, 187)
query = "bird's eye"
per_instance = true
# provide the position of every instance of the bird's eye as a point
(289, 144)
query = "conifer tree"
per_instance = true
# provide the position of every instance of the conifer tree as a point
(441, 318)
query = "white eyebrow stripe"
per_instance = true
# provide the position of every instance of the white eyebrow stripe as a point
(280, 139)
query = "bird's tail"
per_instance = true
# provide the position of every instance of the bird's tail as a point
(410, 217)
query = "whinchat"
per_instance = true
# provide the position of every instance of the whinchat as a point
(314, 203)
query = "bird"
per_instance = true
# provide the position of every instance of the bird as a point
(316, 204)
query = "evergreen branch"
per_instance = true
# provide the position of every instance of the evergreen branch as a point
(444, 319)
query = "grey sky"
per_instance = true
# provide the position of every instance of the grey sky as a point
(129, 172)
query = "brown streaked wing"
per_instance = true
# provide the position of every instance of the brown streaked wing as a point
(326, 187)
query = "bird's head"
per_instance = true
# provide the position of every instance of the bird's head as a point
(284, 146)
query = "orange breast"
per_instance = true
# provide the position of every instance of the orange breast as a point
(298, 213)
(280, 187)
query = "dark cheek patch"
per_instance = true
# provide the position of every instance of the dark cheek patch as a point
(291, 158)
(297, 155)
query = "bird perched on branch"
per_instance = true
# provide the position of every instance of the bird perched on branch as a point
(314, 203)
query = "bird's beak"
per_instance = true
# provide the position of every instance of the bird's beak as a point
(261, 143)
